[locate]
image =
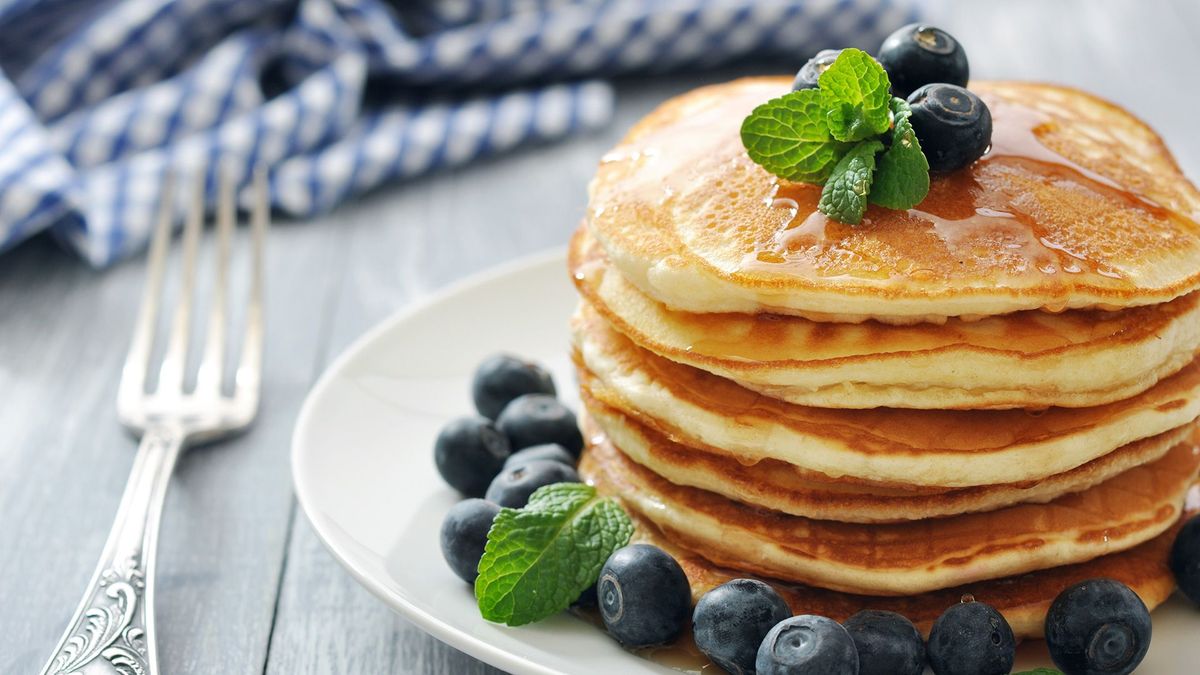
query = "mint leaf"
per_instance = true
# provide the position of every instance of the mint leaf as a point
(540, 558)
(854, 92)
(902, 179)
(1040, 671)
(844, 197)
(789, 136)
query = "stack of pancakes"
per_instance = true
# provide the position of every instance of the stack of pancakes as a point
(992, 394)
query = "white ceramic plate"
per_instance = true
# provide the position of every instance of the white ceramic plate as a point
(363, 468)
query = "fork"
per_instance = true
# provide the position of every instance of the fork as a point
(113, 628)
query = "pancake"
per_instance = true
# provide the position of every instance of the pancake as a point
(1023, 600)
(1026, 359)
(944, 448)
(779, 486)
(911, 557)
(1078, 204)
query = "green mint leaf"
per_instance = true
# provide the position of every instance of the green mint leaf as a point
(789, 136)
(902, 178)
(540, 558)
(844, 197)
(1040, 671)
(854, 93)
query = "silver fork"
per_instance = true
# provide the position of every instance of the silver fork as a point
(113, 629)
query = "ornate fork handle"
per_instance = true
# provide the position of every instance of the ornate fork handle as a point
(113, 629)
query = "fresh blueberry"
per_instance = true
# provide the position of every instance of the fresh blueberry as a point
(807, 645)
(464, 534)
(919, 54)
(501, 378)
(644, 596)
(888, 643)
(953, 125)
(811, 71)
(469, 452)
(537, 419)
(1185, 559)
(732, 619)
(587, 599)
(1098, 627)
(550, 451)
(513, 487)
(971, 638)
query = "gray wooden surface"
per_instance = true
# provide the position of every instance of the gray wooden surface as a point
(245, 586)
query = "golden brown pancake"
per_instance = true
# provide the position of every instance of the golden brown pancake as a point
(1028, 359)
(779, 486)
(944, 448)
(910, 557)
(1078, 204)
(1023, 600)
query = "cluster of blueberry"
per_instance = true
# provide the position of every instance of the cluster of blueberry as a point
(522, 439)
(927, 67)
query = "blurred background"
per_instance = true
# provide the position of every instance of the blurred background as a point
(410, 144)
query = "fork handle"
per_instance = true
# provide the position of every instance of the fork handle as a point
(113, 629)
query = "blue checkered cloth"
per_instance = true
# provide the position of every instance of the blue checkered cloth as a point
(99, 98)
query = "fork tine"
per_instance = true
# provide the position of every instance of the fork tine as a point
(212, 366)
(133, 374)
(170, 376)
(250, 365)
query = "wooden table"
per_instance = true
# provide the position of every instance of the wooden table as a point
(245, 587)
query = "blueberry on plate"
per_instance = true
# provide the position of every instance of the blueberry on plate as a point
(513, 487)
(551, 451)
(971, 638)
(920, 54)
(469, 452)
(1098, 627)
(537, 419)
(887, 642)
(807, 645)
(588, 599)
(953, 125)
(464, 536)
(1185, 559)
(811, 72)
(644, 596)
(501, 378)
(731, 620)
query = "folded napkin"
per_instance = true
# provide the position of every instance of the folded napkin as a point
(98, 98)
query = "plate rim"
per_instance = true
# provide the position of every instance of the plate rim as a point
(323, 527)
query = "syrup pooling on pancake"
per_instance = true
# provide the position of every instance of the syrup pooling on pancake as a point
(1077, 205)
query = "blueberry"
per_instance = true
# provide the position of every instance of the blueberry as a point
(587, 599)
(971, 638)
(732, 619)
(1185, 559)
(888, 643)
(464, 534)
(919, 54)
(811, 71)
(644, 596)
(1098, 627)
(501, 378)
(953, 125)
(807, 645)
(551, 451)
(537, 419)
(469, 452)
(513, 487)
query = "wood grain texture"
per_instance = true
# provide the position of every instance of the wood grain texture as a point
(245, 586)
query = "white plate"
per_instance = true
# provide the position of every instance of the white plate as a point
(363, 468)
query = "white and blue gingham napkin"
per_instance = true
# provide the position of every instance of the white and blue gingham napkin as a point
(99, 97)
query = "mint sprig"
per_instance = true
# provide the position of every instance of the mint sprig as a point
(538, 559)
(849, 135)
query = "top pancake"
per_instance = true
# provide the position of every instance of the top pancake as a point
(1077, 205)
